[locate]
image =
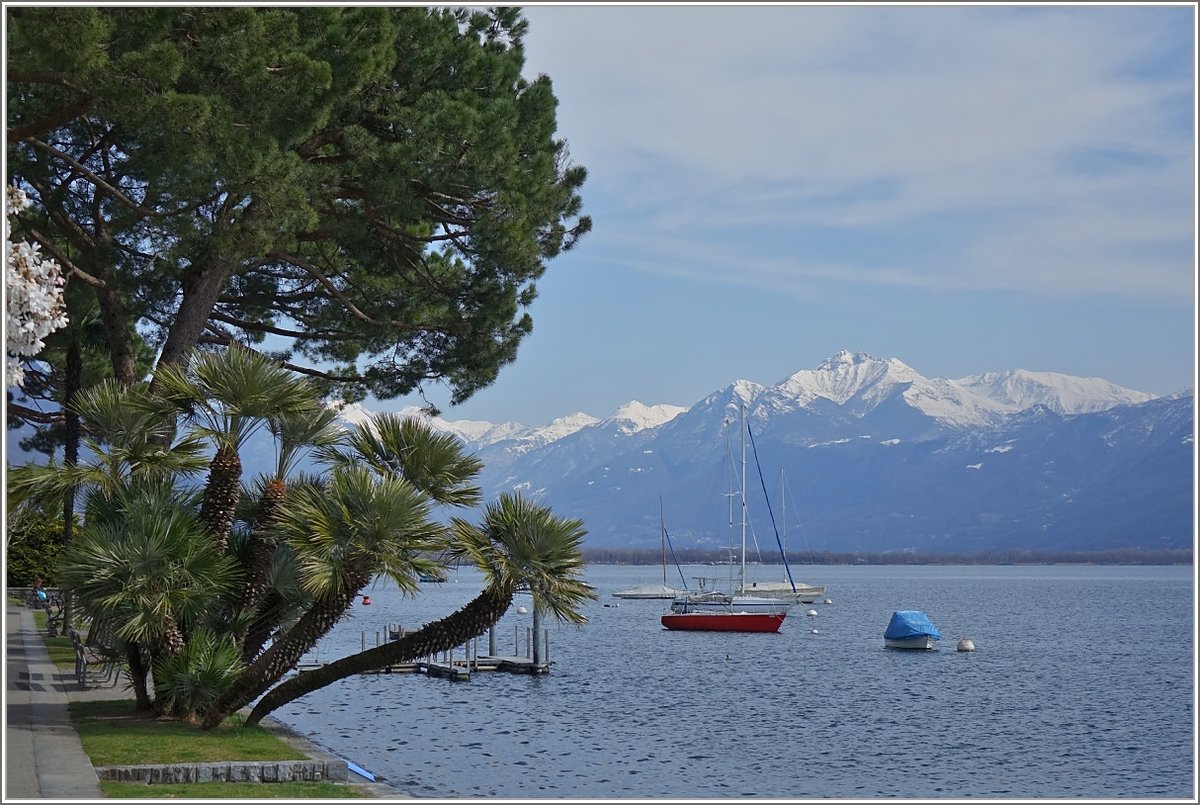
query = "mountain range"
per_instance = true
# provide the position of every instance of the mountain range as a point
(860, 454)
(865, 454)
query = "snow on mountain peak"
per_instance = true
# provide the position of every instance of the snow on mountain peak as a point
(634, 415)
(847, 375)
(1018, 389)
(843, 358)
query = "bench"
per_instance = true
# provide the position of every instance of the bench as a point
(53, 606)
(91, 654)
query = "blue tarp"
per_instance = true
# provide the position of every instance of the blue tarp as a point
(910, 623)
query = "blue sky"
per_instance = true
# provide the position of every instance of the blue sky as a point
(965, 188)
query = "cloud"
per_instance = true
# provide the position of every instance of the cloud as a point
(1037, 149)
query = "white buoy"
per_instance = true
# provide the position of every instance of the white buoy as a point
(814, 631)
(966, 645)
(812, 613)
(521, 610)
(828, 600)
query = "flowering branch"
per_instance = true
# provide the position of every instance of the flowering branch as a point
(33, 287)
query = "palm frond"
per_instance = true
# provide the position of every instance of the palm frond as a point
(520, 543)
(436, 463)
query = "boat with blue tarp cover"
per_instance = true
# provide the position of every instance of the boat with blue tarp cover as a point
(910, 628)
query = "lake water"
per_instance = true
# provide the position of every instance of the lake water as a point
(1082, 685)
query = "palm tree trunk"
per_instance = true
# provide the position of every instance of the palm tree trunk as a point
(285, 652)
(262, 547)
(261, 627)
(221, 495)
(137, 674)
(471, 621)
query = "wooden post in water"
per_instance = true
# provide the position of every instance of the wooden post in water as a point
(537, 637)
(492, 641)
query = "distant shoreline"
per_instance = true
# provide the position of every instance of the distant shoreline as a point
(691, 556)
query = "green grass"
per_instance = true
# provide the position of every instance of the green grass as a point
(296, 790)
(114, 734)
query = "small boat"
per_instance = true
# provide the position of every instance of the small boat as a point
(912, 629)
(792, 590)
(717, 612)
(803, 593)
(654, 590)
(648, 591)
(425, 577)
(729, 621)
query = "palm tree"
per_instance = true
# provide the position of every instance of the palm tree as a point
(293, 431)
(142, 563)
(230, 394)
(407, 447)
(359, 525)
(125, 433)
(518, 543)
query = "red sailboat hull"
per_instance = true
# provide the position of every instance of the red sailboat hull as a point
(723, 621)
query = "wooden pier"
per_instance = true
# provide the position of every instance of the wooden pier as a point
(458, 664)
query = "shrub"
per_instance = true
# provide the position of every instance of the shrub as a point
(35, 540)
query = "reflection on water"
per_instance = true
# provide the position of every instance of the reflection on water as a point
(1081, 686)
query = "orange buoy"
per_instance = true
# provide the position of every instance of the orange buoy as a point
(366, 600)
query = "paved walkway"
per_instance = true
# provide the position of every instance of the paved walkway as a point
(44, 758)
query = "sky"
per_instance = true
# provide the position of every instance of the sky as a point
(964, 188)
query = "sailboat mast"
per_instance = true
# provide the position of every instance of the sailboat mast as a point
(783, 512)
(742, 583)
(662, 533)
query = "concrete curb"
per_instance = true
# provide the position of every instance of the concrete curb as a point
(261, 771)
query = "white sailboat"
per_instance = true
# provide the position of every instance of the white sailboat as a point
(661, 591)
(797, 591)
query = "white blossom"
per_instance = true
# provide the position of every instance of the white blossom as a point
(33, 290)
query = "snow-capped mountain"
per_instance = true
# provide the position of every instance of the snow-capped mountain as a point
(873, 456)
(882, 458)
(859, 384)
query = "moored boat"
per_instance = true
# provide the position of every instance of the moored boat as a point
(803, 593)
(648, 591)
(720, 602)
(910, 629)
(712, 611)
(723, 621)
(654, 590)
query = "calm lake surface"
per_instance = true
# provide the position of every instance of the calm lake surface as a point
(1081, 686)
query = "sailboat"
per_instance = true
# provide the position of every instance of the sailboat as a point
(713, 611)
(654, 590)
(798, 591)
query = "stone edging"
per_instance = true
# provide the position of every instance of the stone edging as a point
(262, 771)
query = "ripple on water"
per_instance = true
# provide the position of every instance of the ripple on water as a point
(1047, 706)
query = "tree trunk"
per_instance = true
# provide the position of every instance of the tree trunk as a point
(118, 331)
(262, 551)
(471, 621)
(137, 675)
(261, 628)
(72, 382)
(285, 652)
(219, 505)
(200, 294)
